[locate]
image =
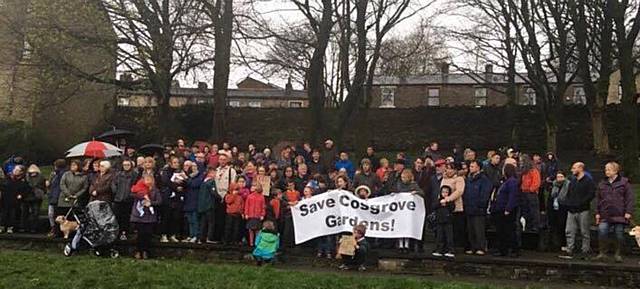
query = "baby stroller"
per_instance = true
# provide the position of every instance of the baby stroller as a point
(98, 228)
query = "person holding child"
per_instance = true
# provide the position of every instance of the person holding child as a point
(444, 223)
(146, 198)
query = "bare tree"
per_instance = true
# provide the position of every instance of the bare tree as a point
(593, 32)
(158, 40)
(221, 14)
(417, 53)
(543, 34)
(626, 18)
(490, 38)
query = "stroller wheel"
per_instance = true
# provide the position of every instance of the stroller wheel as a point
(114, 254)
(67, 250)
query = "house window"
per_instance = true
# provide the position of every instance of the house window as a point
(123, 101)
(579, 96)
(433, 97)
(255, 104)
(529, 97)
(295, 104)
(234, 103)
(388, 97)
(481, 96)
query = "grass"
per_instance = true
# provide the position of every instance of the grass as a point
(21, 269)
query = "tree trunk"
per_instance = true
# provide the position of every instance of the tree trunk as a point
(630, 115)
(355, 97)
(552, 135)
(222, 58)
(599, 131)
(316, 74)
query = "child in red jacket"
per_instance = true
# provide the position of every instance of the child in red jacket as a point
(254, 211)
(234, 207)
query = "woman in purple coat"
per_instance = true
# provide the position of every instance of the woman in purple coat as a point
(614, 209)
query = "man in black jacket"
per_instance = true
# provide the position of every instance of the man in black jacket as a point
(581, 192)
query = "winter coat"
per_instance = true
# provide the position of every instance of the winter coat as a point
(614, 199)
(274, 210)
(443, 213)
(457, 185)
(267, 244)
(254, 206)
(38, 187)
(507, 197)
(191, 192)
(54, 186)
(559, 192)
(121, 185)
(580, 194)
(169, 189)
(72, 185)
(148, 217)
(301, 182)
(370, 180)
(12, 188)
(494, 173)
(348, 166)
(531, 181)
(224, 177)
(208, 196)
(102, 187)
(317, 168)
(328, 158)
(476, 195)
(234, 204)
(409, 187)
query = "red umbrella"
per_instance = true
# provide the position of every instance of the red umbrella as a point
(94, 149)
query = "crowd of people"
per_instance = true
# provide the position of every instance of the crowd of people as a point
(221, 194)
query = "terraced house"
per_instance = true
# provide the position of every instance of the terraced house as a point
(250, 93)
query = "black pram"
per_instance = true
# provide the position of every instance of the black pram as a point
(98, 227)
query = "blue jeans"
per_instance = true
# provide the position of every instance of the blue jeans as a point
(194, 226)
(618, 229)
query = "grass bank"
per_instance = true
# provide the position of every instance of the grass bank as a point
(46, 270)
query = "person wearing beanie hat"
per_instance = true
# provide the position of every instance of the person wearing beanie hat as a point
(363, 192)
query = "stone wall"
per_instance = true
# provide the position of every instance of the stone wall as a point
(56, 108)
(389, 129)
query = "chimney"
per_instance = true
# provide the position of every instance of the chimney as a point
(288, 88)
(488, 68)
(444, 68)
(488, 73)
(202, 85)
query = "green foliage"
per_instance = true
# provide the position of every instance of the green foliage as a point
(43, 270)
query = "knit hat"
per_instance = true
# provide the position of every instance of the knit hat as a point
(363, 187)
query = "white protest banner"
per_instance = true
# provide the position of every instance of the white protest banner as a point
(393, 216)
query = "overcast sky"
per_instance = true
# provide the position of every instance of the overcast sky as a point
(282, 12)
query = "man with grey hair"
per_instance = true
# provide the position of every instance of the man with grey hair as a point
(581, 192)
